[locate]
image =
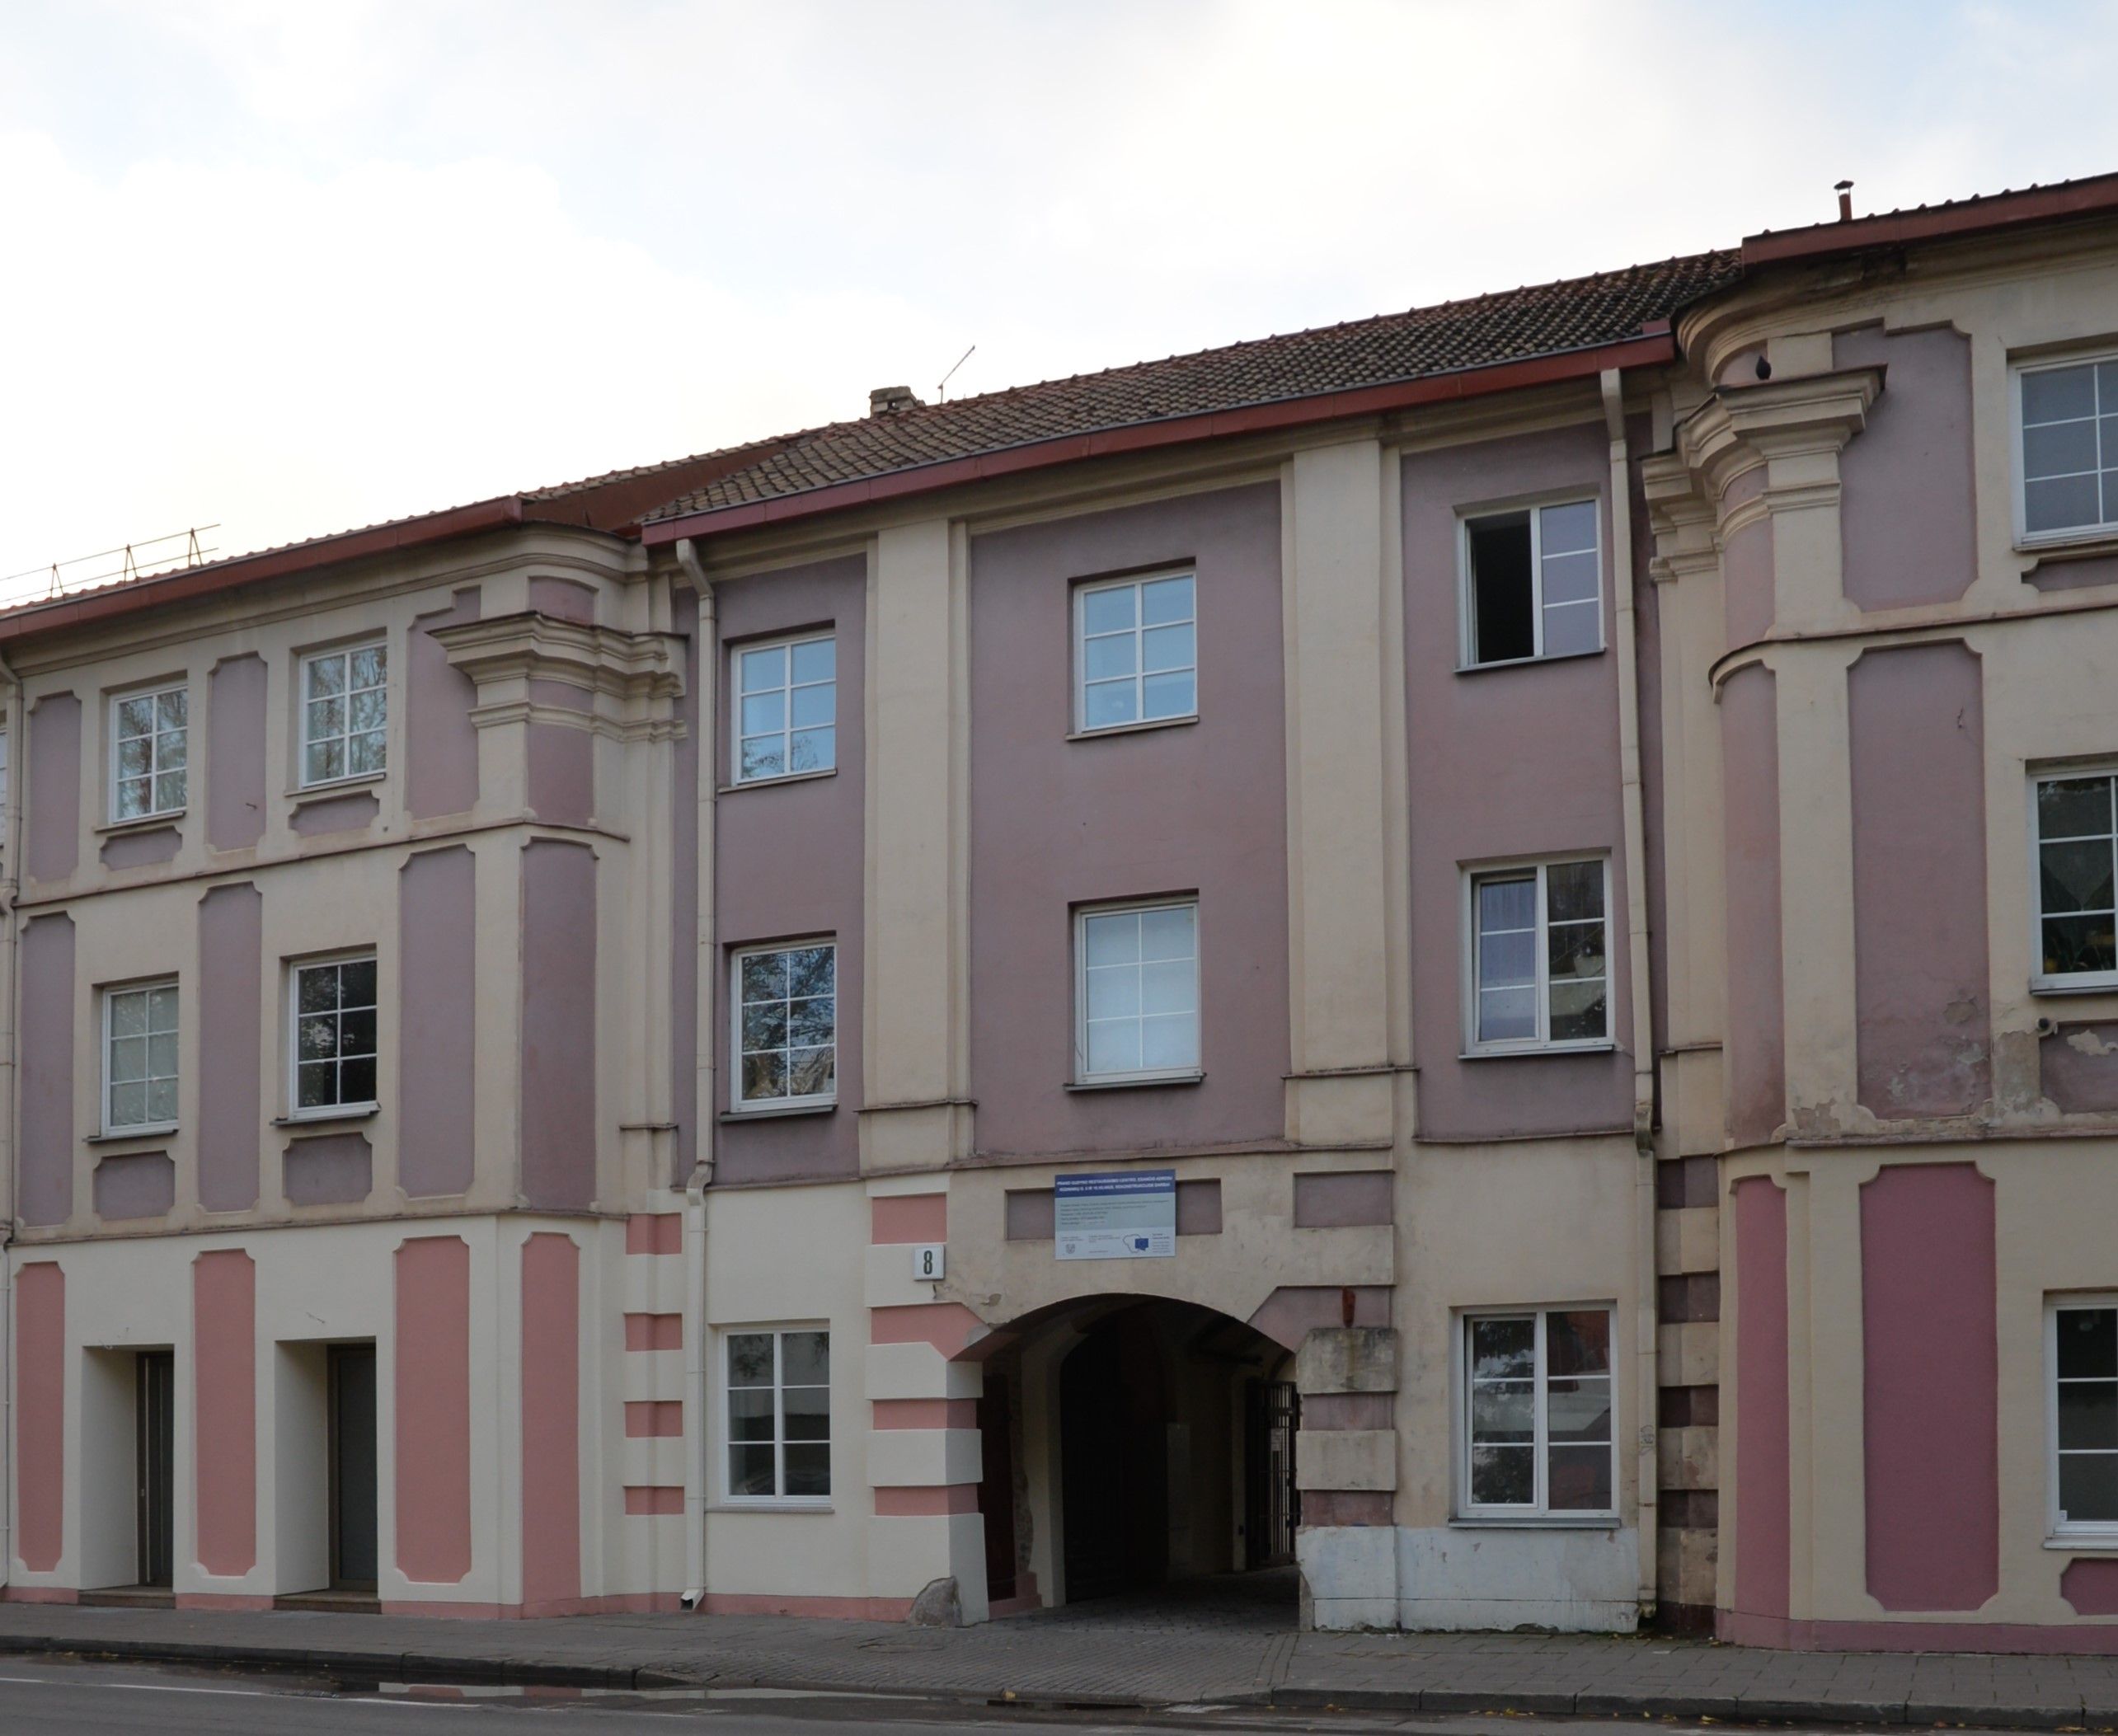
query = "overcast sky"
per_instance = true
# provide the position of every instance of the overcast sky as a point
(299, 266)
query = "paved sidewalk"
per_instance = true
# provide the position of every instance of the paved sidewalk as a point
(1221, 1642)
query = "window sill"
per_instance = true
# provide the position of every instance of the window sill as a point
(2099, 984)
(824, 1507)
(1524, 663)
(308, 793)
(2088, 543)
(1535, 1522)
(767, 783)
(130, 1135)
(1538, 1050)
(351, 1112)
(728, 1116)
(2084, 1543)
(1146, 1081)
(1133, 728)
(139, 823)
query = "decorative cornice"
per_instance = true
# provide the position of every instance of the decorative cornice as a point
(531, 646)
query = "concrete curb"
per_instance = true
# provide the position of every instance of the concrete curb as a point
(1739, 1708)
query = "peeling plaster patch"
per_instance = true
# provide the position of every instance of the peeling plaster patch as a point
(2085, 1041)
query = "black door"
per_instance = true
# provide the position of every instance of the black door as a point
(1114, 1462)
(353, 1465)
(155, 1408)
(1272, 1507)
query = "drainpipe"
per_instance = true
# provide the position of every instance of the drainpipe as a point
(1647, 1470)
(11, 859)
(697, 1363)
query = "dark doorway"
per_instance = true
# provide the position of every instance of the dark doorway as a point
(155, 1411)
(353, 1545)
(1114, 1458)
(1272, 1506)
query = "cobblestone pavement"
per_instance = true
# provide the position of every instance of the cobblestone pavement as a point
(1226, 1641)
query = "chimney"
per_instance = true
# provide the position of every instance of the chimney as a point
(1845, 190)
(886, 401)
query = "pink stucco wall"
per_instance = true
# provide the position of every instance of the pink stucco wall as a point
(235, 752)
(790, 859)
(1513, 761)
(433, 1408)
(1756, 1042)
(437, 1020)
(441, 769)
(551, 1422)
(40, 1415)
(51, 818)
(1194, 809)
(224, 1409)
(1762, 1512)
(1908, 510)
(44, 1164)
(1930, 1387)
(558, 1023)
(1916, 723)
(231, 1006)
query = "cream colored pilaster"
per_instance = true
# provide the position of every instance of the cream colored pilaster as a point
(1341, 963)
(1816, 888)
(1837, 1444)
(915, 1041)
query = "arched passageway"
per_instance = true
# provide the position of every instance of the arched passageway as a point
(1131, 1443)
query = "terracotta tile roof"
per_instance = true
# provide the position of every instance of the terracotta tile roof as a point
(2087, 196)
(1546, 319)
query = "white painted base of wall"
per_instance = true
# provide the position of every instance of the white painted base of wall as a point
(1464, 1578)
(1575, 1581)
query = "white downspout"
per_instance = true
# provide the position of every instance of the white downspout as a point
(1647, 1470)
(11, 859)
(698, 1364)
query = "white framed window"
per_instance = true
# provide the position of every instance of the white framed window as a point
(139, 1057)
(2081, 1351)
(345, 712)
(1135, 651)
(333, 1045)
(785, 1001)
(1136, 991)
(1533, 584)
(1538, 941)
(1537, 1439)
(2076, 821)
(778, 1414)
(787, 708)
(150, 752)
(2066, 419)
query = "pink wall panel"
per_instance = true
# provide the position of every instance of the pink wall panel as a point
(1919, 895)
(551, 1421)
(41, 1415)
(1757, 1012)
(909, 1218)
(224, 1408)
(433, 1408)
(1762, 1518)
(1930, 1387)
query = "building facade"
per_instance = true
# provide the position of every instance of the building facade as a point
(1474, 950)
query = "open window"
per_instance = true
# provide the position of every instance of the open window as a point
(1532, 584)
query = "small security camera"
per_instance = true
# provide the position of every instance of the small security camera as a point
(692, 1599)
(2047, 1027)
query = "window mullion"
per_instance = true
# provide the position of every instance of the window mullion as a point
(1537, 580)
(1544, 944)
(1540, 1494)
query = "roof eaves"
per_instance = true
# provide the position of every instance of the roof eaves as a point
(1646, 349)
(2092, 196)
(190, 582)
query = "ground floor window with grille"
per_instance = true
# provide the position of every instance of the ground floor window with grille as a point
(1537, 1439)
(779, 1416)
(2084, 1338)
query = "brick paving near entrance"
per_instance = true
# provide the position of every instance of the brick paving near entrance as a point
(1226, 1641)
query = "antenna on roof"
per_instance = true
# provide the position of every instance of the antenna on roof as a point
(942, 391)
(135, 560)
